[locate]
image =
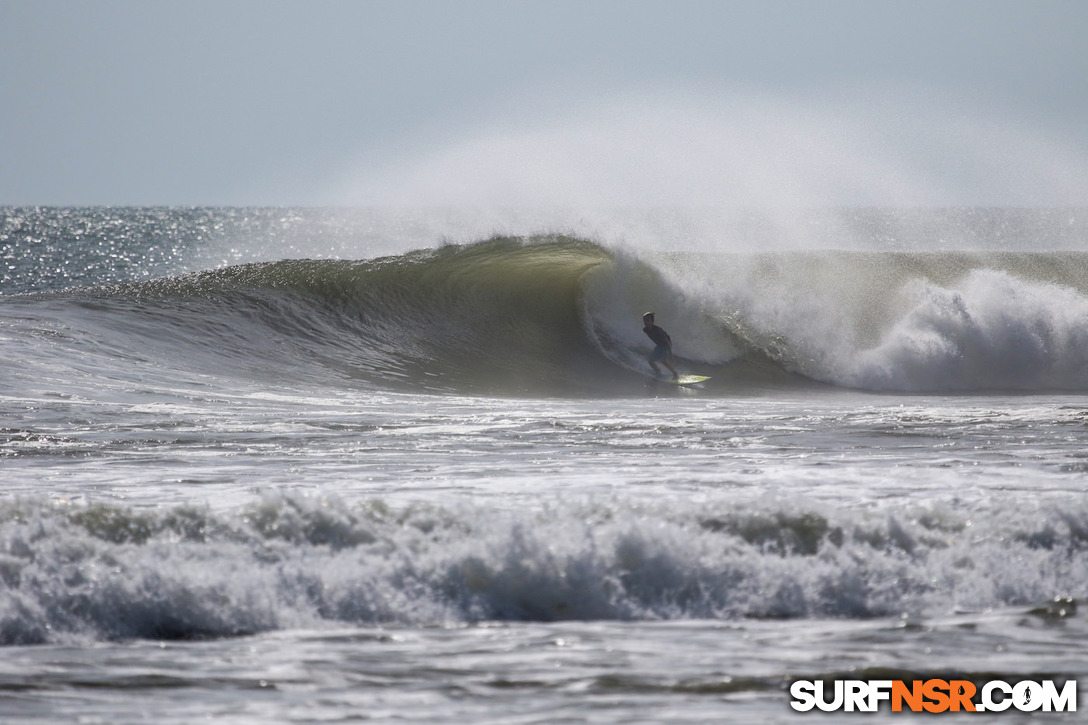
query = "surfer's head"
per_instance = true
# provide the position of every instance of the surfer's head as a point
(648, 319)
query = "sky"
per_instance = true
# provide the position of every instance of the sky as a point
(549, 102)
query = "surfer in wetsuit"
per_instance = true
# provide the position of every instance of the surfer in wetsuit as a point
(661, 339)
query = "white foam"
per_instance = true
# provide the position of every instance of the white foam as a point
(992, 331)
(910, 322)
(284, 562)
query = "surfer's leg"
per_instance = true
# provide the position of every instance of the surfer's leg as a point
(662, 354)
(668, 364)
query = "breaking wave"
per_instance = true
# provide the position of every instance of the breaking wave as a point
(557, 316)
(71, 572)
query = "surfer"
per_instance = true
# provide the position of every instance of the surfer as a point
(661, 339)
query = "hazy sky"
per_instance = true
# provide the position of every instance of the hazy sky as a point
(543, 102)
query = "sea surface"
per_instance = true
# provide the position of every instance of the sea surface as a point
(321, 465)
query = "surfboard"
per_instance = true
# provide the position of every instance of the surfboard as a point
(689, 379)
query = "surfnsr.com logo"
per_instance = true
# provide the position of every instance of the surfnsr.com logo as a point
(934, 696)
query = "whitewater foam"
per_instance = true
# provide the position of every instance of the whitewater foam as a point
(918, 322)
(994, 331)
(104, 572)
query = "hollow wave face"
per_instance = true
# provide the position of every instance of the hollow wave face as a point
(562, 316)
(499, 316)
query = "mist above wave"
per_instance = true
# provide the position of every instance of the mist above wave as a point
(709, 148)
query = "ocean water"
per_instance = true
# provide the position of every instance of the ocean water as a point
(274, 465)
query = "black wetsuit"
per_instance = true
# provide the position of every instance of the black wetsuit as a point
(661, 339)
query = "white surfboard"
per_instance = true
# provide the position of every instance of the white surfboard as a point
(688, 379)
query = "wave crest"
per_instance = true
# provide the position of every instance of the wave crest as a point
(561, 316)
